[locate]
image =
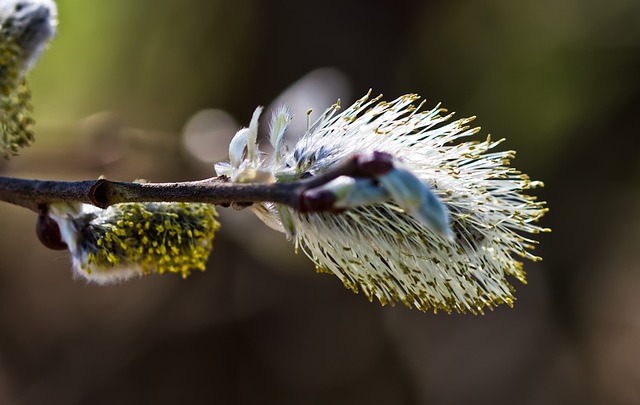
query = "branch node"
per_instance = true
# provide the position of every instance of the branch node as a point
(98, 193)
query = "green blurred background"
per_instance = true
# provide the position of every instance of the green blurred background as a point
(154, 89)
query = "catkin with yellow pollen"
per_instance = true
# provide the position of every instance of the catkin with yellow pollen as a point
(133, 239)
(26, 27)
(15, 102)
(442, 229)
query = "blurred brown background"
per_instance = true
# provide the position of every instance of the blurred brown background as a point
(154, 89)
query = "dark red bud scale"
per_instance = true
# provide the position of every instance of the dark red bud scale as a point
(374, 164)
(317, 200)
(49, 233)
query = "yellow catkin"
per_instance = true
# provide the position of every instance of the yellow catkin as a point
(15, 102)
(178, 239)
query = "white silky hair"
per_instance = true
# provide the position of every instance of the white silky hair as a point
(381, 248)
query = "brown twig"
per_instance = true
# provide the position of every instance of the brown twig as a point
(35, 194)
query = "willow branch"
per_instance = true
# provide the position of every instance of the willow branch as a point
(34, 194)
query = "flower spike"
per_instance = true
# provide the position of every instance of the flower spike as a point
(432, 220)
(26, 27)
(135, 239)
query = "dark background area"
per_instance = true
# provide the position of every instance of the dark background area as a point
(118, 93)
